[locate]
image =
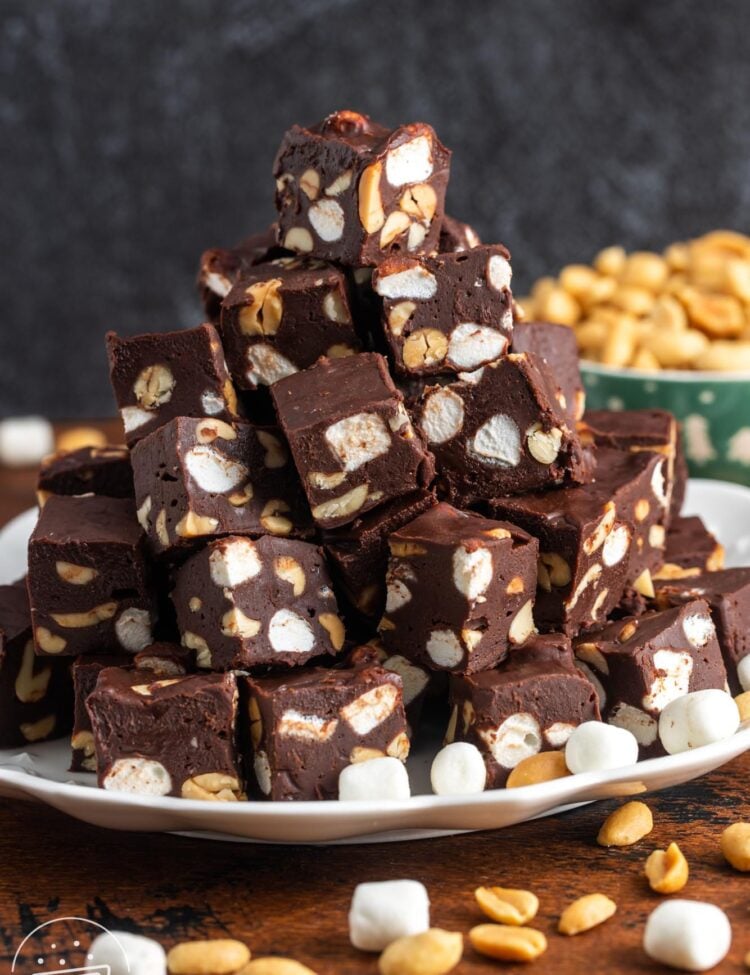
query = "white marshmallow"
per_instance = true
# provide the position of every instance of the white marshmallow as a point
(382, 912)
(24, 440)
(596, 747)
(458, 770)
(377, 778)
(689, 935)
(743, 673)
(696, 719)
(128, 954)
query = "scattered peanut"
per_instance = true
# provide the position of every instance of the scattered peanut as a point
(626, 825)
(667, 870)
(507, 905)
(222, 956)
(743, 703)
(276, 966)
(435, 952)
(542, 767)
(507, 943)
(586, 913)
(735, 846)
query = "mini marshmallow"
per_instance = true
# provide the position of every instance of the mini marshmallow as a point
(696, 719)
(118, 949)
(596, 747)
(25, 440)
(377, 778)
(382, 912)
(689, 935)
(458, 770)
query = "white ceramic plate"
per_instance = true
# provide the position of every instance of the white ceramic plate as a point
(40, 773)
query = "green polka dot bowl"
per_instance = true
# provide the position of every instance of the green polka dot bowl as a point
(713, 408)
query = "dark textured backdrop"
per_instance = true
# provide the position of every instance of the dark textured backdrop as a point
(136, 133)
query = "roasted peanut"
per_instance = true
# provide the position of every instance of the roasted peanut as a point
(507, 905)
(507, 943)
(435, 952)
(667, 870)
(543, 767)
(743, 703)
(223, 956)
(735, 846)
(586, 913)
(275, 965)
(626, 825)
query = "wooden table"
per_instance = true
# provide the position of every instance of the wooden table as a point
(294, 899)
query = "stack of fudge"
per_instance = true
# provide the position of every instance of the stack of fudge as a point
(361, 495)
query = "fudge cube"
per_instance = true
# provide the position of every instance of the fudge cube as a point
(460, 590)
(89, 583)
(166, 737)
(352, 191)
(244, 603)
(306, 727)
(35, 695)
(197, 479)
(557, 346)
(156, 377)
(680, 475)
(531, 703)
(456, 236)
(88, 470)
(727, 593)
(448, 313)
(283, 316)
(640, 664)
(358, 555)
(594, 539)
(350, 437)
(220, 267)
(691, 549)
(502, 431)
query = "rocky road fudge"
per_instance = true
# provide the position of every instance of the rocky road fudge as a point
(690, 550)
(89, 585)
(158, 376)
(460, 590)
(352, 191)
(456, 236)
(501, 432)
(198, 479)
(448, 313)
(88, 470)
(283, 316)
(530, 703)
(358, 555)
(640, 664)
(244, 603)
(727, 592)
(556, 344)
(304, 728)
(351, 438)
(171, 736)
(35, 694)
(220, 267)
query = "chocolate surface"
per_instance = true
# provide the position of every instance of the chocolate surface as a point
(691, 549)
(556, 345)
(88, 470)
(85, 672)
(456, 236)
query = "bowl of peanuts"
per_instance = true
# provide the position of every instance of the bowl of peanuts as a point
(669, 330)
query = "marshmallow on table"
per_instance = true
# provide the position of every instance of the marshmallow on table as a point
(690, 935)
(596, 747)
(698, 719)
(25, 440)
(377, 778)
(128, 954)
(382, 912)
(458, 770)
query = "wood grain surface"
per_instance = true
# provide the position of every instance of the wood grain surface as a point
(294, 900)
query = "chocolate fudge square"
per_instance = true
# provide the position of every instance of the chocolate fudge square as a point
(640, 664)
(501, 432)
(358, 555)
(594, 539)
(89, 583)
(727, 592)
(557, 346)
(460, 590)
(531, 703)
(691, 549)
(158, 376)
(351, 438)
(88, 470)
(352, 191)
(447, 313)
(36, 697)
(283, 316)
(166, 736)
(85, 672)
(197, 479)
(304, 728)
(455, 235)
(242, 603)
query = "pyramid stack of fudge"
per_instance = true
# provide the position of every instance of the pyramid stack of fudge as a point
(362, 496)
